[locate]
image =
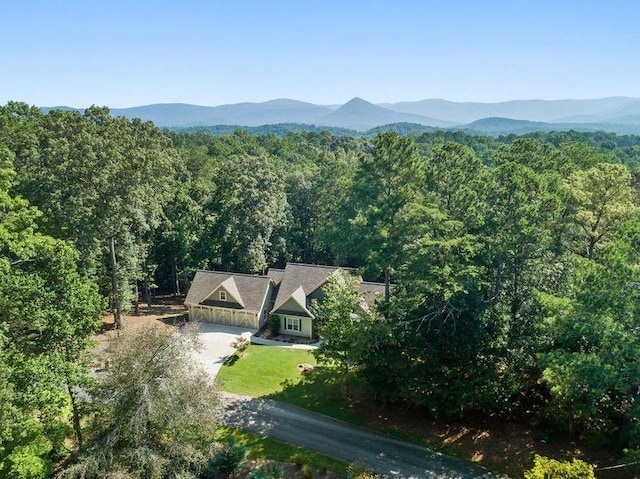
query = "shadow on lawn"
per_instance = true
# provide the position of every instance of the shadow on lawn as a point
(231, 360)
(326, 391)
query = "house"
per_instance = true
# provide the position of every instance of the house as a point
(246, 300)
(234, 299)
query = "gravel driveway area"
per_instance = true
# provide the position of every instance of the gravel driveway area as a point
(216, 342)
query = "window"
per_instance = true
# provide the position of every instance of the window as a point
(293, 324)
(223, 295)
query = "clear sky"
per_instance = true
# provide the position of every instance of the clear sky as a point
(134, 52)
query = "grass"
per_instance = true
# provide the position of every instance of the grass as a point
(271, 372)
(260, 447)
(262, 370)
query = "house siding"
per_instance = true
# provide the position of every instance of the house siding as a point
(291, 305)
(306, 326)
(266, 307)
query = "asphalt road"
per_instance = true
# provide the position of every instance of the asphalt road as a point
(344, 441)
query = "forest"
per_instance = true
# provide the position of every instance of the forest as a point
(515, 261)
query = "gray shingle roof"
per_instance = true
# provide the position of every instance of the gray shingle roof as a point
(371, 291)
(251, 288)
(276, 275)
(308, 276)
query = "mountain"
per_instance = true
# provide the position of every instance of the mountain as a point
(246, 114)
(361, 115)
(616, 114)
(623, 114)
(508, 126)
(531, 110)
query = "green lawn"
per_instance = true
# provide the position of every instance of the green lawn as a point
(271, 372)
(261, 447)
(263, 370)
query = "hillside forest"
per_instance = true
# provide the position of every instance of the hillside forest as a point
(515, 261)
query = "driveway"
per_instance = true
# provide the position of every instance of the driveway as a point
(216, 342)
(385, 455)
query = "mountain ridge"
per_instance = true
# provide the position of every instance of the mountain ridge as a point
(617, 114)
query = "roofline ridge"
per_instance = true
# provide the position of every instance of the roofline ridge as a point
(318, 265)
(248, 275)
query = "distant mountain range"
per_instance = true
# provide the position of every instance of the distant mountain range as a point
(617, 114)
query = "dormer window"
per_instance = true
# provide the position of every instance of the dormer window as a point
(223, 295)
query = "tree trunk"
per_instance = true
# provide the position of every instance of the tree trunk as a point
(76, 414)
(145, 285)
(497, 290)
(136, 293)
(117, 306)
(387, 284)
(175, 276)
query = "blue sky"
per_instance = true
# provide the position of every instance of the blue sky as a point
(135, 52)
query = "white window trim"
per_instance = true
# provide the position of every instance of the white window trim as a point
(293, 324)
(223, 295)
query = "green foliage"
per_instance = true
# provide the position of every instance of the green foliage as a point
(273, 323)
(27, 456)
(601, 198)
(306, 471)
(592, 367)
(632, 459)
(358, 471)
(48, 312)
(228, 459)
(515, 261)
(545, 468)
(268, 470)
(244, 215)
(299, 460)
(387, 180)
(339, 321)
(155, 410)
(99, 181)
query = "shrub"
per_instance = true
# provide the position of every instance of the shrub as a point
(298, 459)
(241, 343)
(307, 472)
(545, 468)
(268, 470)
(274, 324)
(632, 459)
(360, 471)
(226, 460)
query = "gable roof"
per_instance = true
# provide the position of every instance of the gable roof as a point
(370, 290)
(275, 275)
(231, 287)
(370, 293)
(304, 277)
(247, 290)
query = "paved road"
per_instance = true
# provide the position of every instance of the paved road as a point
(344, 441)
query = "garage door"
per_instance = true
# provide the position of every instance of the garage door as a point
(229, 317)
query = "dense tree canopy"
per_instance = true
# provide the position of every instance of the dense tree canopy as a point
(48, 312)
(514, 258)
